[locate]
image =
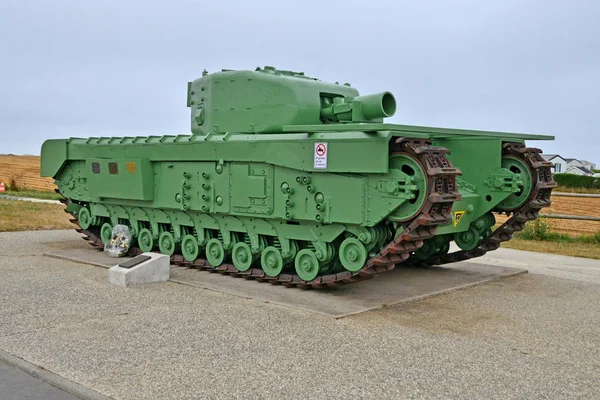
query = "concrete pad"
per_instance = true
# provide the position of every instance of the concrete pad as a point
(528, 337)
(143, 269)
(400, 285)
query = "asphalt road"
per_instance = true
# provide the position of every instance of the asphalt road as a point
(532, 336)
(17, 385)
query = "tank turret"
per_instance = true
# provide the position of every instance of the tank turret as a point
(267, 100)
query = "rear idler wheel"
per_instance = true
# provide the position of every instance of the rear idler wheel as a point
(166, 243)
(271, 261)
(409, 170)
(307, 265)
(242, 256)
(352, 254)
(145, 240)
(189, 248)
(519, 168)
(215, 253)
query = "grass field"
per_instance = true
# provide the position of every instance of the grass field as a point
(36, 194)
(24, 171)
(16, 215)
(565, 189)
(586, 250)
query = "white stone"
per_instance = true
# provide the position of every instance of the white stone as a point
(155, 269)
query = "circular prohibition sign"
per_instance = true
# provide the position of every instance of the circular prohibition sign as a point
(320, 150)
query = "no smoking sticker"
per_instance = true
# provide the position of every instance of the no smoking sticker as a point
(320, 155)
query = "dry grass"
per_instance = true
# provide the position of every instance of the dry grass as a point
(565, 189)
(25, 170)
(27, 216)
(586, 250)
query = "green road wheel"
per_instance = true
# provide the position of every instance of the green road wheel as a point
(106, 233)
(519, 168)
(443, 249)
(215, 254)
(189, 248)
(307, 265)
(468, 239)
(242, 256)
(145, 240)
(353, 254)
(166, 243)
(84, 218)
(271, 261)
(425, 251)
(409, 170)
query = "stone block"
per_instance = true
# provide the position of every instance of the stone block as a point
(142, 269)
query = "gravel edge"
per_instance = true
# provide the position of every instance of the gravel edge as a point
(51, 378)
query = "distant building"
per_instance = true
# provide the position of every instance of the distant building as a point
(587, 164)
(573, 162)
(579, 171)
(560, 164)
(570, 165)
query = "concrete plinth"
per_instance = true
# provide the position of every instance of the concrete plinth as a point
(145, 268)
(400, 285)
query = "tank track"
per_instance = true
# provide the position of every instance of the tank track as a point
(539, 198)
(442, 191)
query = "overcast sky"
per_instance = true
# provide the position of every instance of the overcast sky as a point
(118, 67)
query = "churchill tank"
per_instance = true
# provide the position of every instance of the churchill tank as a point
(290, 180)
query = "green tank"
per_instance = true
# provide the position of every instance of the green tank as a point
(294, 181)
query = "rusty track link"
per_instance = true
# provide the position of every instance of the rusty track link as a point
(539, 198)
(441, 194)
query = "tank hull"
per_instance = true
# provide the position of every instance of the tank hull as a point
(295, 181)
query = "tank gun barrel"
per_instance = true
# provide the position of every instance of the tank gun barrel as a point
(359, 108)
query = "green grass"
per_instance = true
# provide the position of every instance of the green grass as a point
(16, 215)
(36, 194)
(540, 238)
(584, 250)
